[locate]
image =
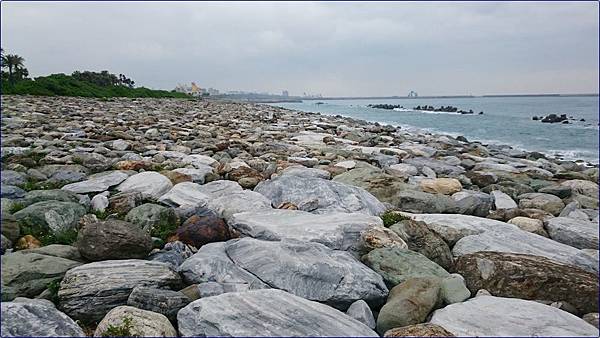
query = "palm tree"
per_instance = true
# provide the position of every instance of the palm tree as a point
(13, 62)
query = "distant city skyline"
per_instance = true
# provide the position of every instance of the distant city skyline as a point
(331, 48)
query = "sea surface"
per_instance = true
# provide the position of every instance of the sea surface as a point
(505, 120)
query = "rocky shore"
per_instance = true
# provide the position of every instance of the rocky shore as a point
(175, 217)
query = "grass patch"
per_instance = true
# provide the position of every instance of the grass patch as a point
(391, 217)
(101, 215)
(163, 230)
(123, 330)
(17, 206)
(53, 289)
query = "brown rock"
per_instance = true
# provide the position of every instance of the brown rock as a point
(445, 186)
(529, 277)
(133, 165)
(123, 202)
(176, 177)
(27, 242)
(113, 239)
(288, 206)
(247, 177)
(419, 330)
(199, 230)
(421, 239)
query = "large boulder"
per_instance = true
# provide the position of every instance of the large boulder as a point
(496, 316)
(319, 196)
(36, 318)
(150, 184)
(421, 239)
(152, 217)
(309, 270)
(409, 303)
(227, 205)
(185, 194)
(397, 265)
(278, 312)
(35, 196)
(97, 182)
(375, 181)
(339, 231)
(582, 187)
(54, 216)
(473, 203)
(578, 233)
(200, 230)
(529, 277)
(28, 274)
(165, 302)
(550, 203)
(423, 202)
(137, 323)
(89, 291)
(113, 239)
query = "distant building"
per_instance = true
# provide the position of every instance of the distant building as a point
(285, 93)
(413, 94)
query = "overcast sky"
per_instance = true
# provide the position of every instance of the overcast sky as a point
(337, 49)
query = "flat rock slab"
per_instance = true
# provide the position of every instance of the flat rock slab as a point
(319, 196)
(51, 215)
(338, 231)
(97, 182)
(228, 205)
(185, 194)
(37, 319)
(574, 232)
(496, 316)
(89, 291)
(265, 313)
(150, 184)
(309, 270)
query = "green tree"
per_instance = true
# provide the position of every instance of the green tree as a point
(16, 67)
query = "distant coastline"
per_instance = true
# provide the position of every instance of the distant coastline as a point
(444, 96)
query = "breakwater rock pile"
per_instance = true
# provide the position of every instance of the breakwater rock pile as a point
(164, 217)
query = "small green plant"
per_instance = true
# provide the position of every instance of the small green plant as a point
(67, 237)
(123, 330)
(391, 217)
(163, 230)
(101, 214)
(53, 288)
(77, 160)
(17, 206)
(29, 185)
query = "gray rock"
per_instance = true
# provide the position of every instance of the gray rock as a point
(301, 171)
(360, 311)
(546, 202)
(5, 244)
(185, 194)
(99, 203)
(309, 270)
(113, 239)
(51, 215)
(36, 319)
(165, 302)
(402, 170)
(57, 250)
(197, 174)
(150, 184)
(577, 233)
(489, 316)
(421, 239)
(473, 203)
(212, 264)
(453, 289)
(228, 205)
(119, 144)
(557, 190)
(502, 200)
(89, 291)
(338, 231)
(280, 314)
(151, 217)
(12, 192)
(409, 303)
(220, 188)
(397, 265)
(319, 195)
(174, 254)
(97, 182)
(11, 177)
(422, 202)
(28, 274)
(582, 187)
(439, 167)
(591, 318)
(142, 323)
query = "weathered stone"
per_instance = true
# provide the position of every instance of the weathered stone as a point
(577, 233)
(546, 202)
(339, 231)
(424, 241)
(97, 182)
(397, 265)
(141, 323)
(282, 314)
(502, 200)
(200, 230)
(488, 316)
(173, 253)
(453, 289)
(409, 303)
(165, 302)
(529, 277)
(89, 291)
(302, 171)
(36, 319)
(28, 274)
(113, 239)
(35, 196)
(380, 237)
(583, 187)
(185, 194)
(422, 202)
(360, 311)
(418, 330)
(473, 203)
(152, 217)
(150, 184)
(55, 216)
(57, 250)
(444, 186)
(122, 203)
(532, 225)
(228, 205)
(319, 196)
(309, 270)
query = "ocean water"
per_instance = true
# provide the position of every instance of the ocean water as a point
(506, 120)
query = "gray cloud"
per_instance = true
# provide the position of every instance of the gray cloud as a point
(332, 48)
